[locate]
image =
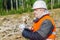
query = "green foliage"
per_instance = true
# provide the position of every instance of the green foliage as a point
(56, 5)
(9, 12)
(47, 1)
(27, 4)
(0, 4)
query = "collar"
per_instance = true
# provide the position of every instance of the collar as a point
(41, 16)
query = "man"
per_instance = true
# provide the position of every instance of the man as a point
(44, 27)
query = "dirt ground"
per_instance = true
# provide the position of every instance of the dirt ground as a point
(9, 25)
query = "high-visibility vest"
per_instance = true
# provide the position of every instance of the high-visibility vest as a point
(37, 25)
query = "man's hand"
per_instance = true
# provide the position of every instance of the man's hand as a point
(21, 27)
(30, 28)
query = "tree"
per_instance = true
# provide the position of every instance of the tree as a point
(11, 5)
(52, 4)
(5, 4)
(17, 4)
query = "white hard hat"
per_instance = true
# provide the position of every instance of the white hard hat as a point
(39, 4)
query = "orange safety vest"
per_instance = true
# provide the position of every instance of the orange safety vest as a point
(37, 25)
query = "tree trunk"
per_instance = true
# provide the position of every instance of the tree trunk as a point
(23, 5)
(5, 4)
(11, 5)
(52, 3)
(16, 4)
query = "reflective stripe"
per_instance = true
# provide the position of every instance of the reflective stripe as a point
(50, 39)
(53, 32)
